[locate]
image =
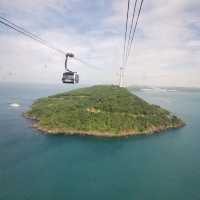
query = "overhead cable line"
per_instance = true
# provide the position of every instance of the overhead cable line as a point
(85, 63)
(22, 29)
(135, 27)
(125, 35)
(29, 34)
(36, 38)
(131, 28)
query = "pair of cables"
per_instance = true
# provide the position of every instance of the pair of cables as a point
(130, 28)
(38, 39)
(26, 33)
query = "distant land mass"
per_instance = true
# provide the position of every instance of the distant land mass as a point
(104, 110)
(164, 89)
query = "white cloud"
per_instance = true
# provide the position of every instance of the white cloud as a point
(165, 53)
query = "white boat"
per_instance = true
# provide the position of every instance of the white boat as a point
(146, 89)
(171, 90)
(15, 105)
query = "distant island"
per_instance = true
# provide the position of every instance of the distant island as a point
(104, 110)
(163, 89)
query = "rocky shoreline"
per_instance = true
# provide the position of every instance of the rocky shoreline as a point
(62, 131)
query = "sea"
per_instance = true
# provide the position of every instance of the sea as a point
(35, 166)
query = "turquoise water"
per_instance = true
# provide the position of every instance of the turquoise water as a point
(41, 167)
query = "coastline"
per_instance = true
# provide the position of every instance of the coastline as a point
(64, 131)
(106, 111)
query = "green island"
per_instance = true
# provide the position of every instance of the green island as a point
(104, 110)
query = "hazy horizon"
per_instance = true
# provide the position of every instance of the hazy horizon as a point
(60, 84)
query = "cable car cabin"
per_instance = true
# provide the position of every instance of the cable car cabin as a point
(70, 77)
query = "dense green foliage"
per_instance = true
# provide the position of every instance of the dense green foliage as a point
(108, 109)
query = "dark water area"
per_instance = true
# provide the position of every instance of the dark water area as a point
(34, 166)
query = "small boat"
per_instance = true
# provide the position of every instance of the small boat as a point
(15, 105)
(146, 89)
(171, 90)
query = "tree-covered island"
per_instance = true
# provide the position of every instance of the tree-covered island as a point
(108, 111)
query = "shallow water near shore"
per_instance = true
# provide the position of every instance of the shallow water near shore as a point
(37, 166)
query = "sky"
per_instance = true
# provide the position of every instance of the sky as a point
(166, 50)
